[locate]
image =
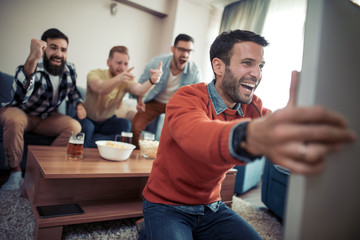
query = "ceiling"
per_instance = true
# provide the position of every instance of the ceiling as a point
(215, 3)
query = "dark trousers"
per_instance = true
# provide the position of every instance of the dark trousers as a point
(105, 130)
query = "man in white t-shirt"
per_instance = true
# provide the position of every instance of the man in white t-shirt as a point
(177, 70)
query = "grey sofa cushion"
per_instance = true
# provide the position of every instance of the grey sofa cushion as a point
(5, 93)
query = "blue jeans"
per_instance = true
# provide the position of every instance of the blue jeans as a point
(167, 222)
(105, 130)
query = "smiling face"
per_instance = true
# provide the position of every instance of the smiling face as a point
(237, 82)
(55, 55)
(181, 54)
(118, 63)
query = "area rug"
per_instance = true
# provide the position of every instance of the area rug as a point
(17, 222)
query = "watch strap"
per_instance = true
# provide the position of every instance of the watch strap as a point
(239, 141)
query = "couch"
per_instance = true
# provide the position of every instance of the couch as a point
(29, 138)
(155, 126)
(274, 188)
(248, 176)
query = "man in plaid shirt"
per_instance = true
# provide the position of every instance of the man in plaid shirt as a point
(39, 87)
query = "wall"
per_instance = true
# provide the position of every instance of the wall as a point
(92, 31)
(207, 21)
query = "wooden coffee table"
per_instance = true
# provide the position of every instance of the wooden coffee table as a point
(105, 190)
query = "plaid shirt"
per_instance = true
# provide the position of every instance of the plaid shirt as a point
(36, 100)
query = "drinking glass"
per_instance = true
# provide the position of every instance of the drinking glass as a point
(124, 137)
(75, 148)
(148, 145)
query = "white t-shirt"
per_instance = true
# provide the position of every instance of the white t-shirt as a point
(55, 81)
(171, 86)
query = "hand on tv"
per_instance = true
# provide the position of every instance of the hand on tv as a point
(298, 138)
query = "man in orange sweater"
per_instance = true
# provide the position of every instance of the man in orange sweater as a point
(209, 128)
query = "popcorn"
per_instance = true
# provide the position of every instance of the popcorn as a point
(148, 148)
(113, 144)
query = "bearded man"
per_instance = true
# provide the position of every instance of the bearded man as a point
(104, 93)
(210, 128)
(177, 70)
(39, 87)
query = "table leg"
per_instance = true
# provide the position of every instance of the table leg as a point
(53, 233)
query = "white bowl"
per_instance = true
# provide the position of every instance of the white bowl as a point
(114, 151)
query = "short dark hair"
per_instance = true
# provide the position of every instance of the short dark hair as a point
(183, 37)
(54, 33)
(222, 46)
(119, 49)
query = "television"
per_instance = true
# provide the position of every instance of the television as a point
(327, 205)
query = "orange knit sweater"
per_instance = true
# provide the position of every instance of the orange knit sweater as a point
(193, 155)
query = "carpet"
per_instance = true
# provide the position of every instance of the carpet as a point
(17, 222)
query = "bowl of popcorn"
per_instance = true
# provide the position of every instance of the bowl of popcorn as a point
(115, 151)
(148, 147)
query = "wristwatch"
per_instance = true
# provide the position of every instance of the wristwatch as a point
(152, 83)
(239, 142)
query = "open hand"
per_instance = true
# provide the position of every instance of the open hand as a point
(298, 138)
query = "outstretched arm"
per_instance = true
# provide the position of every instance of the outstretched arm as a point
(298, 138)
(140, 89)
(105, 87)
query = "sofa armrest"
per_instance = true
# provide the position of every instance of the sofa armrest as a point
(6, 81)
(249, 175)
(156, 125)
(274, 188)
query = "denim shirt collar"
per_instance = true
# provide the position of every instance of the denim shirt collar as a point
(217, 101)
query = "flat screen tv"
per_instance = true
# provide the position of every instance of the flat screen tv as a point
(327, 206)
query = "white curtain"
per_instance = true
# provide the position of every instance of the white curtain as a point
(245, 15)
(284, 29)
(281, 22)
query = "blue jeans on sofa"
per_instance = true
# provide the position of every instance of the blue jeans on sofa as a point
(106, 130)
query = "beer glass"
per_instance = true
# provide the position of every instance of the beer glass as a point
(124, 137)
(75, 149)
